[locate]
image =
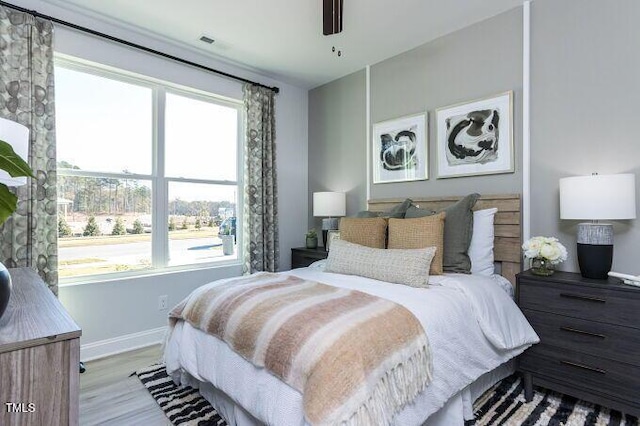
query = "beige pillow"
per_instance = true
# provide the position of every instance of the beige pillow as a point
(408, 267)
(370, 232)
(417, 233)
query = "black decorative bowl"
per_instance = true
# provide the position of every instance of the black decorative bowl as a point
(5, 288)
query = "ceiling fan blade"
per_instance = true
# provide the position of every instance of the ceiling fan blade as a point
(332, 16)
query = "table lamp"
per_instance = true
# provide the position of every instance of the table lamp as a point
(330, 205)
(597, 197)
(17, 136)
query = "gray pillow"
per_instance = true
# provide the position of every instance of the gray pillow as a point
(397, 212)
(458, 230)
(367, 214)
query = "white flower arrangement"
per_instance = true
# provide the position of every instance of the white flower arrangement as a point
(548, 248)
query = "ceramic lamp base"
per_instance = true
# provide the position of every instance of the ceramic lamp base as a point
(595, 249)
(595, 261)
(328, 224)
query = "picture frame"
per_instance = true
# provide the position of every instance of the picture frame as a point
(331, 236)
(399, 149)
(475, 138)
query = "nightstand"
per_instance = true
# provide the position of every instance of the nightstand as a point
(589, 338)
(302, 256)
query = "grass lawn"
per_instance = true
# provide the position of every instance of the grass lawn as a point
(134, 238)
(92, 265)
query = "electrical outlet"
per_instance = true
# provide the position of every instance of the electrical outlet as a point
(162, 302)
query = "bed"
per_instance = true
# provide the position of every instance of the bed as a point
(473, 326)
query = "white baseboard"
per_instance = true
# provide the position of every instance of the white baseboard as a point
(120, 344)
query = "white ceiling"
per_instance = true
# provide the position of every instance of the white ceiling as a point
(283, 38)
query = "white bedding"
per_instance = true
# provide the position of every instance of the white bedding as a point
(472, 324)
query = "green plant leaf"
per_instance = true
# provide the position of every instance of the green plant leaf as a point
(12, 163)
(8, 203)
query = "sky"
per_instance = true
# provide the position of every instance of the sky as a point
(106, 125)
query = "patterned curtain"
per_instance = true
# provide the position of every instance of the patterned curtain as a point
(260, 218)
(30, 237)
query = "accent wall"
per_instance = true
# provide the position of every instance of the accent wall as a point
(478, 61)
(585, 63)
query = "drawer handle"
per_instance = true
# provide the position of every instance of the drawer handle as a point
(588, 333)
(580, 297)
(584, 367)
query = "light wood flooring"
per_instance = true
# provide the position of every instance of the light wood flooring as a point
(108, 396)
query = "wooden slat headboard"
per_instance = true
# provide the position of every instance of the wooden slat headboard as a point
(508, 230)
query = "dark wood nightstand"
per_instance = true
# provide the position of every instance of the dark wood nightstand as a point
(589, 338)
(302, 256)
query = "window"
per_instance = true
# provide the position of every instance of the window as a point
(147, 173)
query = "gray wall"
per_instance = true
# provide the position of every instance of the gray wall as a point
(585, 79)
(423, 79)
(337, 138)
(585, 87)
(478, 61)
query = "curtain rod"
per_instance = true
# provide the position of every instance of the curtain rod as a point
(134, 45)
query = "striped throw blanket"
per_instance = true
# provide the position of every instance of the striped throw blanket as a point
(357, 359)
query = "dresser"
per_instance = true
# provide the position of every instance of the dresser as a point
(39, 356)
(302, 256)
(589, 338)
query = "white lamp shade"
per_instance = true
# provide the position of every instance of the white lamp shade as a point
(329, 204)
(17, 136)
(598, 197)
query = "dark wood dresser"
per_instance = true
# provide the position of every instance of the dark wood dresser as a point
(39, 356)
(589, 338)
(302, 256)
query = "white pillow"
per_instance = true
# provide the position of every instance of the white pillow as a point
(481, 247)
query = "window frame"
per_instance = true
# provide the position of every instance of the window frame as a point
(159, 181)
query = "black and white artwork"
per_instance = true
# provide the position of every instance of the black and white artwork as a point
(400, 150)
(475, 138)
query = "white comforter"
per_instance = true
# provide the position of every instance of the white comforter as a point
(472, 324)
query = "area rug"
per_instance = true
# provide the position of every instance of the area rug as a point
(503, 404)
(182, 405)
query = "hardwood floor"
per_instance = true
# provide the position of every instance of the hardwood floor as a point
(108, 396)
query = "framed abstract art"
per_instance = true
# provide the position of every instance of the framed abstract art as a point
(399, 150)
(476, 138)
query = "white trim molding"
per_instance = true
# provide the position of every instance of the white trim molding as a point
(368, 131)
(126, 343)
(526, 115)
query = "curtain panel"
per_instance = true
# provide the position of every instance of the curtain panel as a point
(260, 206)
(30, 237)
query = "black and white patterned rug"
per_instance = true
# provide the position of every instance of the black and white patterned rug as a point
(503, 404)
(183, 405)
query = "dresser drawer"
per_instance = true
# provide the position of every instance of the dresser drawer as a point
(590, 303)
(583, 371)
(606, 340)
